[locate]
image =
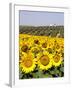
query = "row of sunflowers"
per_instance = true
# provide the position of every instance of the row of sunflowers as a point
(40, 53)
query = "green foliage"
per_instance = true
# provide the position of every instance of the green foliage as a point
(53, 72)
(42, 30)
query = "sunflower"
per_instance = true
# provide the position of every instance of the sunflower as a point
(36, 40)
(57, 59)
(50, 45)
(43, 43)
(59, 44)
(62, 45)
(50, 42)
(24, 48)
(35, 50)
(44, 60)
(27, 63)
(31, 42)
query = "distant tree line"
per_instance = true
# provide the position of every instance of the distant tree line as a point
(52, 31)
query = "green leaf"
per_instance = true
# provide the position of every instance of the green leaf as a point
(49, 76)
(60, 74)
(57, 71)
(62, 69)
(52, 72)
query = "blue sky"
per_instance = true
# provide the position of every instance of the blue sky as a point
(33, 18)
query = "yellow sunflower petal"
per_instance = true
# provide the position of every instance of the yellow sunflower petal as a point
(57, 59)
(27, 64)
(44, 61)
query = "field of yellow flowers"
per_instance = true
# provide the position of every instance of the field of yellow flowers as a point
(40, 56)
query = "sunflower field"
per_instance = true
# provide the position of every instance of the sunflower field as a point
(40, 56)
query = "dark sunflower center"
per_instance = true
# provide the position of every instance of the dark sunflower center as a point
(35, 50)
(50, 50)
(36, 41)
(24, 48)
(28, 63)
(44, 60)
(44, 45)
(56, 58)
(57, 46)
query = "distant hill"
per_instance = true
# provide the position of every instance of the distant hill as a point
(53, 31)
